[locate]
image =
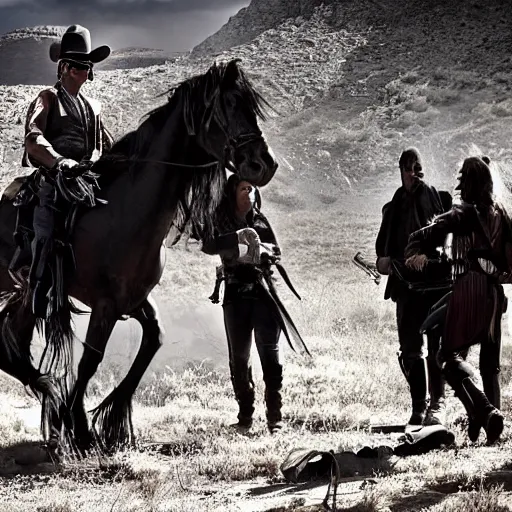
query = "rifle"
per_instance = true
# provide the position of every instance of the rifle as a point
(369, 268)
(270, 257)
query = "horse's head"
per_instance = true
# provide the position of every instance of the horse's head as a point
(229, 128)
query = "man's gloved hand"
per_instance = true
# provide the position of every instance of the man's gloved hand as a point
(383, 265)
(65, 164)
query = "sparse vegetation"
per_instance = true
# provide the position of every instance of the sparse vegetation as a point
(369, 96)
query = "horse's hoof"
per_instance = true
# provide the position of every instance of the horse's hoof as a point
(53, 450)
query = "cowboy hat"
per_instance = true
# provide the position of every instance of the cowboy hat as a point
(76, 45)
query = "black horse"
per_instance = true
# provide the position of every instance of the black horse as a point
(170, 170)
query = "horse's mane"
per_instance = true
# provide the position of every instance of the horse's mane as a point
(199, 99)
(200, 96)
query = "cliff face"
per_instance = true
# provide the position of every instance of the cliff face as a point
(262, 15)
(251, 21)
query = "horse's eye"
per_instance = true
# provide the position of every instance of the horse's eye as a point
(230, 102)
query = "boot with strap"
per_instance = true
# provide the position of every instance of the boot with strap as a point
(436, 412)
(481, 413)
(274, 416)
(243, 386)
(487, 415)
(273, 377)
(415, 372)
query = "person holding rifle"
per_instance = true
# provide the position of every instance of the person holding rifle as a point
(413, 207)
(248, 248)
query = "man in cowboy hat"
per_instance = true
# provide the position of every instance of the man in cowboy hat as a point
(63, 128)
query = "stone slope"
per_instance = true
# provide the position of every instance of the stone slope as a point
(425, 74)
(251, 21)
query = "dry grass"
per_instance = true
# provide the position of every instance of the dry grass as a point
(325, 210)
(329, 402)
(191, 459)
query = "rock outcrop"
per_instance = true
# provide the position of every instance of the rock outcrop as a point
(251, 21)
(24, 56)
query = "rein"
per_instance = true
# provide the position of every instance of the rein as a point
(231, 147)
(170, 164)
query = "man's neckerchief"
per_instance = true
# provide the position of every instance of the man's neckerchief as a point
(80, 112)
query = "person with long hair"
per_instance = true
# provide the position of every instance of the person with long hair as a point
(482, 260)
(240, 229)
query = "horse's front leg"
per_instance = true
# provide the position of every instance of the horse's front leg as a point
(114, 413)
(103, 319)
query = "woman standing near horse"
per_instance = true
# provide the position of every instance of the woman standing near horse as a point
(482, 260)
(240, 223)
(169, 171)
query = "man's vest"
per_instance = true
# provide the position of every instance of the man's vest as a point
(73, 133)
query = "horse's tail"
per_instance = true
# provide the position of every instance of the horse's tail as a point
(16, 358)
(55, 375)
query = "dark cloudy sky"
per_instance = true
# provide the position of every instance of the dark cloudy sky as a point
(169, 24)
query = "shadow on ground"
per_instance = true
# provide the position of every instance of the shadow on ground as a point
(435, 493)
(26, 458)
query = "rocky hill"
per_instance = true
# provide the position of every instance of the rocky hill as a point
(24, 56)
(251, 21)
(129, 58)
(421, 71)
(352, 83)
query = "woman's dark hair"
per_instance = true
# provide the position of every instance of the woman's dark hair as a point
(229, 199)
(228, 202)
(476, 181)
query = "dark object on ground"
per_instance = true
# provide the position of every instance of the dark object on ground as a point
(304, 464)
(424, 440)
(387, 429)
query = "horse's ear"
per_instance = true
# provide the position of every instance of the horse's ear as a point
(232, 71)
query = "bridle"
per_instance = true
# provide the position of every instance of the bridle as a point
(233, 144)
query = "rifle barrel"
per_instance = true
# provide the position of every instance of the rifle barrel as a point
(362, 264)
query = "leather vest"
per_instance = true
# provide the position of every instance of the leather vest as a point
(66, 134)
